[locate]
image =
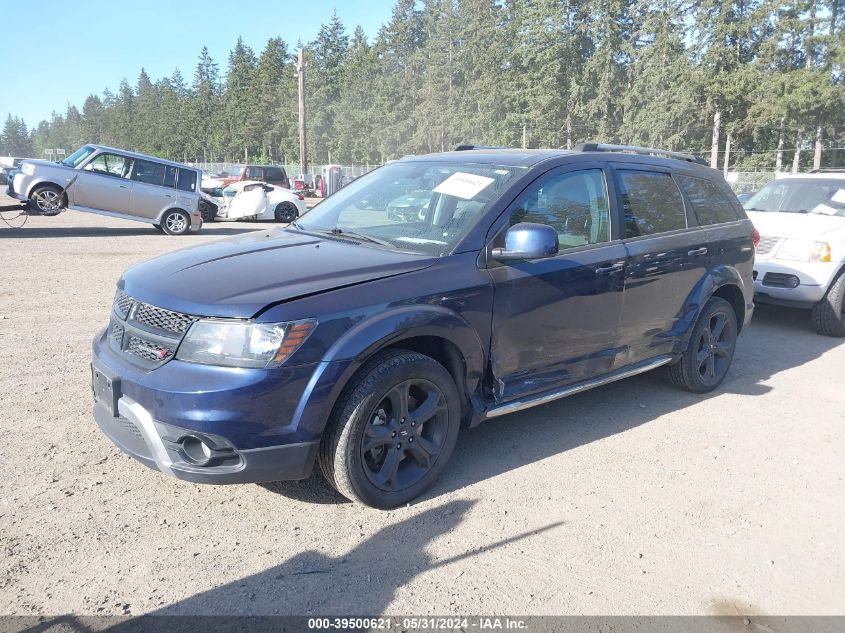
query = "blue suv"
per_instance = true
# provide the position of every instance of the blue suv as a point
(364, 339)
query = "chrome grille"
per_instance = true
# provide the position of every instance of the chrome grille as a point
(122, 304)
(767, 244)
(147, 334)
(148, 350)
(162, 319)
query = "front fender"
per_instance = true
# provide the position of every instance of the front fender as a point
(352, 350)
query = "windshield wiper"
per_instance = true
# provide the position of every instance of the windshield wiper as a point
(360, 236)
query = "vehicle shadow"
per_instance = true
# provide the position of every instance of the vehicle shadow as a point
(777, 339)
(93, 231)
(361, 582)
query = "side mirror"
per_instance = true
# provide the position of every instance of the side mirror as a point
(527, 240)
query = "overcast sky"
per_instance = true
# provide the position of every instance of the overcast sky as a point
(58, 52)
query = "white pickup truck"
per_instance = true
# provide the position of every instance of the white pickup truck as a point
(801, 255)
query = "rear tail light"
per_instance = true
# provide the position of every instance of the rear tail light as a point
(755, 238)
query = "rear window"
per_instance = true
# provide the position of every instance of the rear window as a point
(274, 174)
(187, 180)
(710, 203)
(652, 203)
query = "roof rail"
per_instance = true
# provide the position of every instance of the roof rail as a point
(462, 148)
(647, 151)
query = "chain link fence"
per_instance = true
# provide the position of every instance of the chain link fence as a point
(292, 169)
(749, 181)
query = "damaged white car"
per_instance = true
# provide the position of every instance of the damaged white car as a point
(254, 200)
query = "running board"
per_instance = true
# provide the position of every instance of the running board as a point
(519, 405)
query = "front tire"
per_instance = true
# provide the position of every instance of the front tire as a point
(286, 212)
(392, 431)
(176, 222)
(708, 356)
(829, 313)
(48, 199)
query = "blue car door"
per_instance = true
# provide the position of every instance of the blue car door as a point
(555, 319)
(667, 258)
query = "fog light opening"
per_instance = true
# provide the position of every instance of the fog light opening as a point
(196, 450)
(792, 281)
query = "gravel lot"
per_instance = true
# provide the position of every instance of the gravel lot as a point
(634, 498)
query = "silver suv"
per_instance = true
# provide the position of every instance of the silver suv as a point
(116, 183)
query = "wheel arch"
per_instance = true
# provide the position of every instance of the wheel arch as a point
(430, 330)
(732, 294)
(723, 281)
(46, 183)
(169, 209)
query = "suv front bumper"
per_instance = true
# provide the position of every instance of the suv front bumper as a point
(203, 423)
(772, 277)
(157, 445)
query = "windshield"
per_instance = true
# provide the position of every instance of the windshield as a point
(423, 207)
(800, 196)
(78, 156)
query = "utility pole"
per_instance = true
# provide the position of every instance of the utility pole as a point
(300, 74)
(524, 136)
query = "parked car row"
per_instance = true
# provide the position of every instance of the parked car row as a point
(173, 197)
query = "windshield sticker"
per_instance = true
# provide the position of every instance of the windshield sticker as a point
(825, 209)
(839, 196)
(462, 185)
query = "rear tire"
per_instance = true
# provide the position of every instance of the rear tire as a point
(47, 200)
(286, 212)
(392, 430)
(708, 356)
(176, 222)
(829, 313)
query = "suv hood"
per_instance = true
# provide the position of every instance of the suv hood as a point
(800, 225)
(240, 276)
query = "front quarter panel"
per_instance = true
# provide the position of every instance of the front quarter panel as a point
(451, 300)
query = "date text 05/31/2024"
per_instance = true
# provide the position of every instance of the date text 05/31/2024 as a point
(419, 624)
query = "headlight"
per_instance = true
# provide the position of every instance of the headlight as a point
(804, 251)
(27, 168)
(243, 343)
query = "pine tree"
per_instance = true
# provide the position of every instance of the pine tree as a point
(240, 107)
(326, 60)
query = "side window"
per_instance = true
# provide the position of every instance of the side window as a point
(574, 203)
(148, 172)
(710, 204)
(254, 173)
(652, 203)
(274, 174)
(170, 176)
(110, 165)
(187, 180)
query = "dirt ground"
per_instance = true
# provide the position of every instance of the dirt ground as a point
(633, 498)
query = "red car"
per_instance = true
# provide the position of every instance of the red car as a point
(271, 174)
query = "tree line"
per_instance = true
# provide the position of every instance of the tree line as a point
(764, 80)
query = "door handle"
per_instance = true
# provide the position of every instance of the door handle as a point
(167, 195)
(609, 270)
(124, 186)
(698, 251)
